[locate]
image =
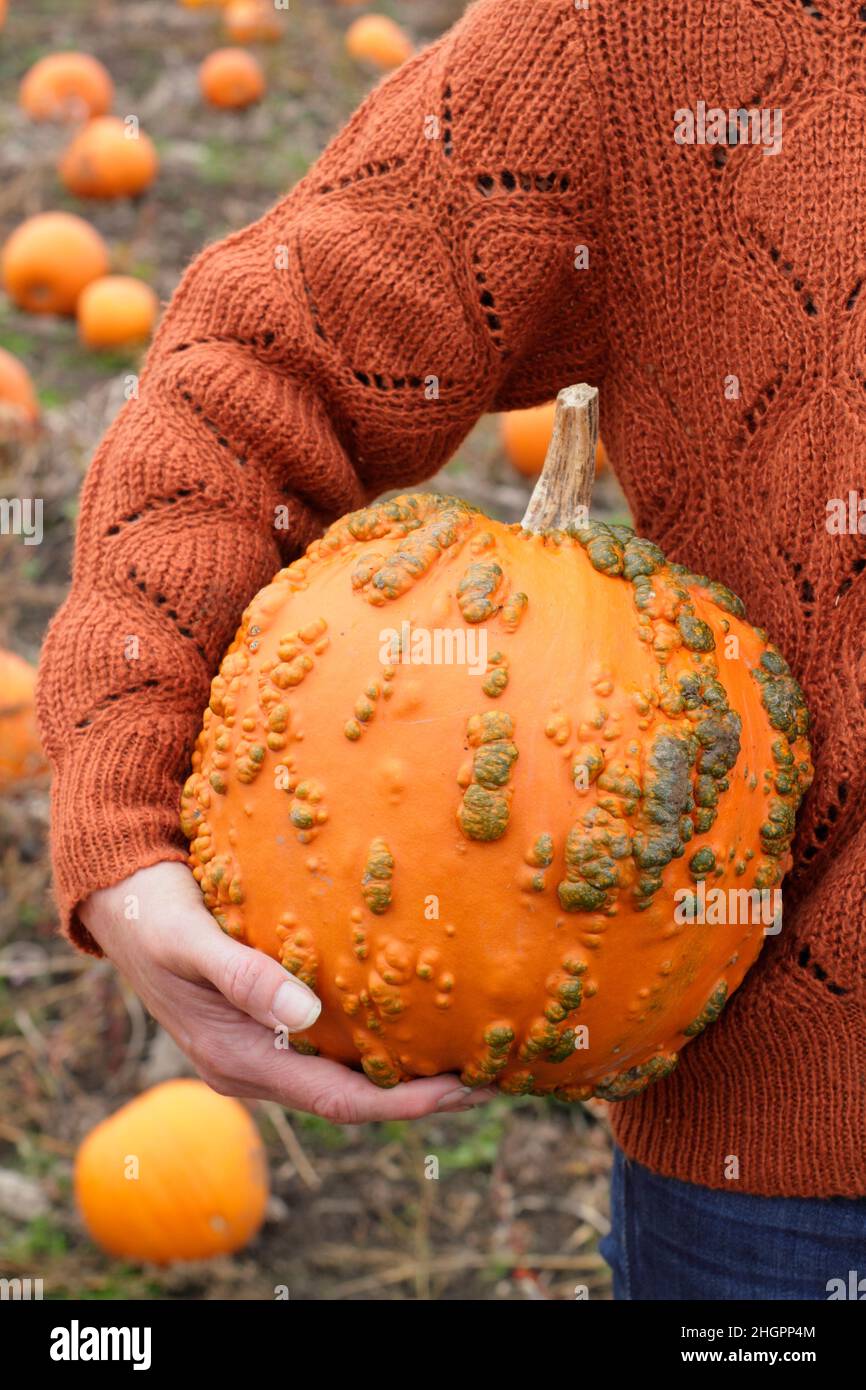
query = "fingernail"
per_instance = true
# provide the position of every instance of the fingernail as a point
(465, 1097)
(295, 1007)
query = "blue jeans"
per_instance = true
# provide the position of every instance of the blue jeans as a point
(675, 1240)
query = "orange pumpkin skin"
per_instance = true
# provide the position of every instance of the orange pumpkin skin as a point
(116, 310)
(17, 393)
(376, 39)
(66, 87)
(201, 1184)
(469, 868)
(526, 434)
(103, 161)
(49, 259)
(231, 78)
(21, 753)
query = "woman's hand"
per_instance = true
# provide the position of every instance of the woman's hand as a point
(223, 1002)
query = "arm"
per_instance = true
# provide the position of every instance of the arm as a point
(421, 274)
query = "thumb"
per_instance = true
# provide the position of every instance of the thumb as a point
(255, 983)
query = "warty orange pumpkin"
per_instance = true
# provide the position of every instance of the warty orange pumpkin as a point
(177, 1174)
(469, 782)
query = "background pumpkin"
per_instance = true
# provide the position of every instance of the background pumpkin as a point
(232, 78)
(251, 21)
(21, 753)
(116, 310)
(66, 87)
(376, 39)
(526, 437)
(105, 161)
(49, 259)
(470, 869)
(17, 393)
(201, 1187)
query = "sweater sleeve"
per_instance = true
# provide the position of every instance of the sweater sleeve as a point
(425, 270)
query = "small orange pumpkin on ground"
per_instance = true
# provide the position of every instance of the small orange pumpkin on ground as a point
(48, 260)
(17, 393)
(376, 39)
(21, 754)
(526, 436)
(251, 21)
(177, 1174)
(66, 87)
(116, 310)
(231, 78)
(106, 160)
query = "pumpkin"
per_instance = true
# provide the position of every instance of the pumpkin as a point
(115, 311)
(231, 77)
(468, 781)
(106, 160)
(247, 21)
(177, 1174)
(48, 260)
(17, 393)
(376, 39)
(21, 753)
(526, 435)
(66, 87)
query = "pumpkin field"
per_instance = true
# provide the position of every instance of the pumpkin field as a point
(230, 105)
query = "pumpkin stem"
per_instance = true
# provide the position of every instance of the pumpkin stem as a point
(562, 494)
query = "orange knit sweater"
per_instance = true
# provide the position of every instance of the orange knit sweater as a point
(717, 305)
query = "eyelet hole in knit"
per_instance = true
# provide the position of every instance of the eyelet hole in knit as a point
(510, 182)
(488, 307)
(812, 11)
(211, 425)
(309, 296)
(266, 340)
(447, 133)
(170, 613)
(373, 169)
(857, 568)
(805, 961)
(756, 413)
(380, 382)
(786, 268)
(113, 698)
(179, 495)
